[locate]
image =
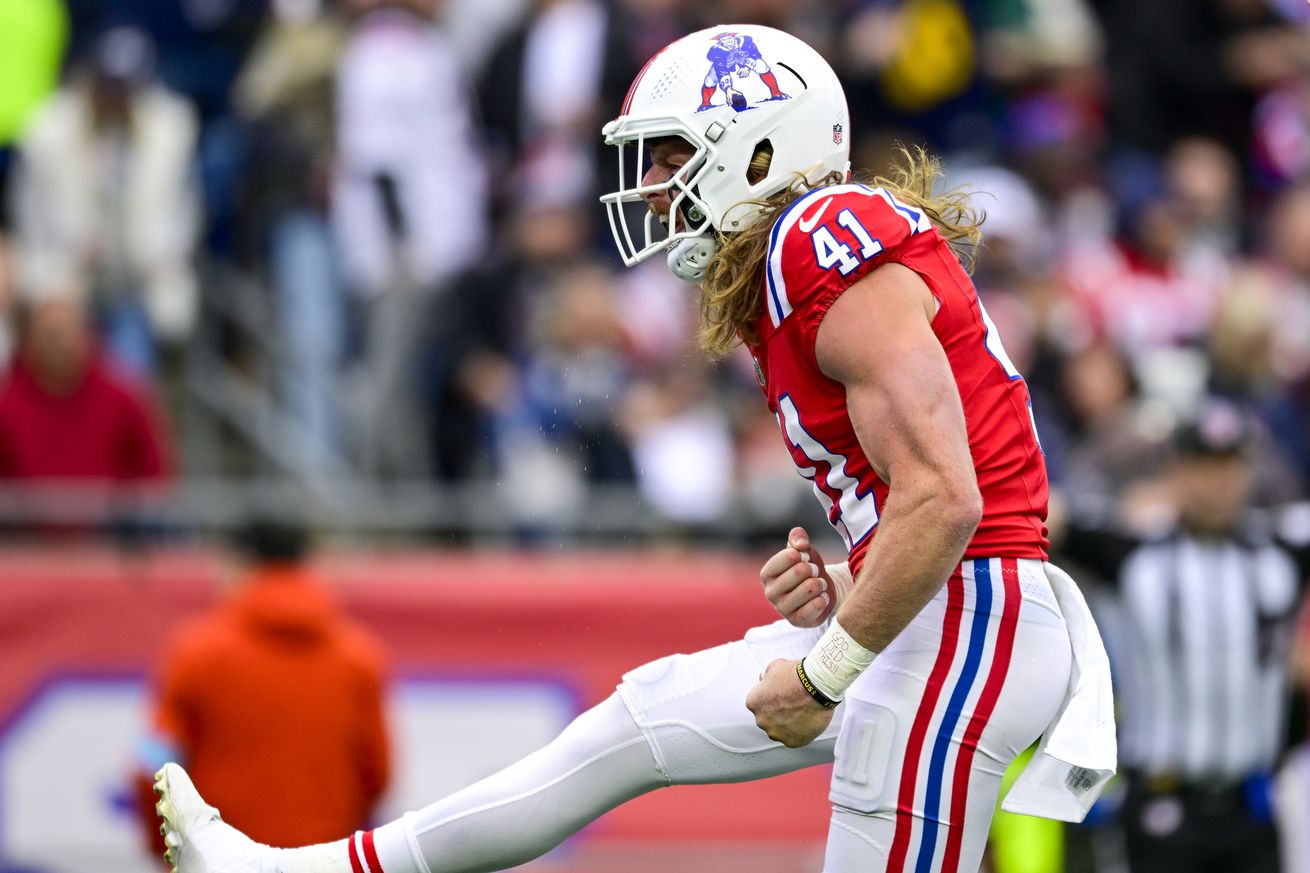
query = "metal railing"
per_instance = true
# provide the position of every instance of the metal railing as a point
(364, 510)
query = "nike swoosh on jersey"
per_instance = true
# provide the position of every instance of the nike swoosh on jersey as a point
(807, 223)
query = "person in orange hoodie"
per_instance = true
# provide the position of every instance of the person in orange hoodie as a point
(274, 699)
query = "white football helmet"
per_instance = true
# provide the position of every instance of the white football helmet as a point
(726, 90)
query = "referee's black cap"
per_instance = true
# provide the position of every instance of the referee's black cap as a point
(1218, 429)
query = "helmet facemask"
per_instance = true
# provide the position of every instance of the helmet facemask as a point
(689, 216)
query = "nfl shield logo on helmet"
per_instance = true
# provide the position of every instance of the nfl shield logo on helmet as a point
(836, 134)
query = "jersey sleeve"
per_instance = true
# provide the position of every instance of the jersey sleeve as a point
(828, 240)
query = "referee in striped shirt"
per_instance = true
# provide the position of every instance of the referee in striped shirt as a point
(1201, 656)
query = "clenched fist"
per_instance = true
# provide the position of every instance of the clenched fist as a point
(784, 710)
(797, 583)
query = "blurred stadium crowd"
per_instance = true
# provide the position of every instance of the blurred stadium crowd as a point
(327, 242)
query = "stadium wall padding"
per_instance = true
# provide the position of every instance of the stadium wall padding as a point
(470, 635)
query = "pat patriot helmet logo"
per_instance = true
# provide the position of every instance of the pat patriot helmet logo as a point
(735, 58)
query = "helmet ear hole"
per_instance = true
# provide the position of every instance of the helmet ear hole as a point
(761, 160)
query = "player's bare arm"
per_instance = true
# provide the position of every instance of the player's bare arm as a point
(907, 415)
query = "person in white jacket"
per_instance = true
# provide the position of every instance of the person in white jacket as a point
(105, 197)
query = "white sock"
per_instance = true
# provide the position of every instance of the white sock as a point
(323, 858)
(385, 850)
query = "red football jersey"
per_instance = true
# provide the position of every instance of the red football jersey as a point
(821, 245)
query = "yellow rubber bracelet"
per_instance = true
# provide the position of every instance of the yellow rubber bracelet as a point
(819, 697)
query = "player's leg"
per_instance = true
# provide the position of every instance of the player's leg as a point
(677, 720)
(707, 89)
(931, 728)
(600, 760)
(767, 77)
(692, 710)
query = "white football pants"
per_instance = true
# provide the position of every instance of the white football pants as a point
(920, 742)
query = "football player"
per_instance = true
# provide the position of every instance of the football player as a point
(928, 662)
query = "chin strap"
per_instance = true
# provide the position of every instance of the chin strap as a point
(689, 257)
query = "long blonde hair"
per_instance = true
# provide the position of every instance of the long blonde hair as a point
(733, 289)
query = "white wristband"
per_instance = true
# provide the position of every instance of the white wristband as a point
(836, 661)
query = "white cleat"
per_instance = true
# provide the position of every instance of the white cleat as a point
(197, 840)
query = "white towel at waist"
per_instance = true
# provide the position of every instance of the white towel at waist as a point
(1077, 754)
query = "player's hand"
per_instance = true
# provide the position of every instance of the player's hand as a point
(783, 709)
(797, 583)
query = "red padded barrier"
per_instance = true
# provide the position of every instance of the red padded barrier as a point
(581, 618)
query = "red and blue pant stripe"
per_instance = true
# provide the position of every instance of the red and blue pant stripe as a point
(968, 674)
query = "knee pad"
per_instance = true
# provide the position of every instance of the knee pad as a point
(866, 774)
(692, 710)
(709, 687)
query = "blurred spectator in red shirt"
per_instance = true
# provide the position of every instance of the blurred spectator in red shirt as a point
(65, 414)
